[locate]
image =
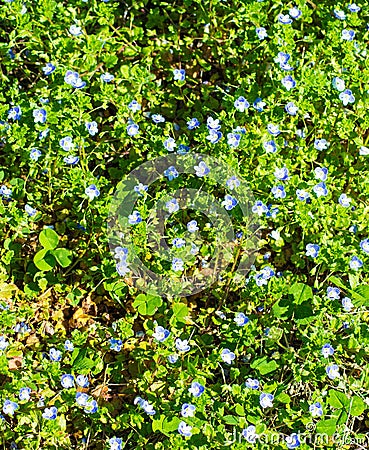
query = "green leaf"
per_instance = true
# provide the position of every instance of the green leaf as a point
(338, 399)
(240, 410)
(327, 427)
(147, 304)
(62, 255)
(357, 406)
(180, 311)
(283, 398)
(264, 366)
(230, 420)
(44, 260)
(301, 292)
(49, 239)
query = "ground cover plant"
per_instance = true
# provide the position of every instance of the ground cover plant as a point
(274, 91)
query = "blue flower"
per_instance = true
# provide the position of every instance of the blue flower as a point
(91, 406)
(170, 144)
(344, 200)
(48, 68)
(338, 84)
(241, 320)
(161, 334)
(24, 393)
(348, 35)
(227, 356)
(43, 133)
(179, 74)
(261, 33)
(5, 192)
(321, 144)
(295, 13)
(177, 265)
(302, 195)
(132, 129)
(229, 202)
(107, 77)
(196, 389)
(356, 263)
(92, 192)
(134, 218)
(259, 208)
(202, 169)
(172, 205)
(184, 429)
(364, 245)
(354, 8)
(75, 30)
(157, 118)
(252, 383)
(81, 398)
(288, 82)
(292, 441)
(188, 410)
(145, 405)
(339, 14)
(50, 413)
(347, 304)
(213, 124)
(241, 104)
(67, 381)
(68, 345)
(115, 443)
(321, 173)
(266, 400)
(116, 344)
(140, 188)
(55, 355)
(30, 211)
(250, 435)
(74, 79)
(316, 409)
(15, 113)
(233, 139)
(270, 146)
(278, 191)
(291, 109)
(214, 136)
(183, 149)
(91, 127)
(273, 129)
(192, 226)
(347, 97)
(233, 183)
(179, 242)
(134, 106)
(10, 407)
(122, 268)
(71, 160)
(35, 154)
(281, 174)
(259, 104)
(66, 143)
(193, 123)
(333, 372)
(312, 250)
(320, 190)
(333, 293)
(284, 19)
(173, 358)
(182, 345)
